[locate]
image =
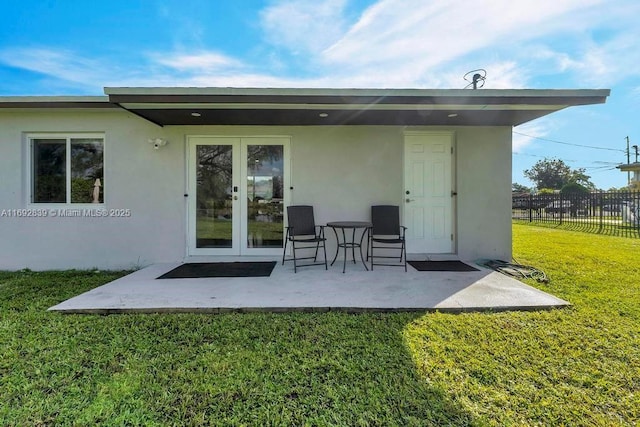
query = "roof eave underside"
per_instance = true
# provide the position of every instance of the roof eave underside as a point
(307, 117)
(405, 107)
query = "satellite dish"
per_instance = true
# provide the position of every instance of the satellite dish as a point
(476, 78)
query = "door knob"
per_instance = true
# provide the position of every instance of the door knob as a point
(408, 200)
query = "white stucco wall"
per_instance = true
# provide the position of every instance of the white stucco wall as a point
(341, 171)
(147, 182)
(483, 169)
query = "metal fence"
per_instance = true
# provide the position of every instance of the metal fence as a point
(615, 213)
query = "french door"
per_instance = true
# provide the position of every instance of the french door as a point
(237, 194)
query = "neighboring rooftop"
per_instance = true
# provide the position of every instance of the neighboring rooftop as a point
(629, 167)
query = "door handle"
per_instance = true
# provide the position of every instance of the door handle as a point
(409, 200)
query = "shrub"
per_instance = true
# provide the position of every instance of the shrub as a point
(574, 188)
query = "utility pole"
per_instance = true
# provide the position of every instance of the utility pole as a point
(628, 161)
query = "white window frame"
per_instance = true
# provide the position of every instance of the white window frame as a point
(67, 136)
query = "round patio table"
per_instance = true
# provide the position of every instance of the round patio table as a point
(352, 244)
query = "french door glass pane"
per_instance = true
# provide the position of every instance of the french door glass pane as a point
(214, 213)
(265, 209)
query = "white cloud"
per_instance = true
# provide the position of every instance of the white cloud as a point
(524, 135)
(411, 38)
(203, 62)
(164, 69)
(303, 26)
(60, 64)
(609, 62)
(592, 63)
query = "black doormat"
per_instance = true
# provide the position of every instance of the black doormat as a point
(220, 269)
(441, 266)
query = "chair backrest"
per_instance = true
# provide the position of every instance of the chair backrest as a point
(385, 220)
(301, 220)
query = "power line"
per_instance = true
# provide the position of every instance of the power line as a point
(600, 168)
(542, 157)
(603, 166)
(568, 143)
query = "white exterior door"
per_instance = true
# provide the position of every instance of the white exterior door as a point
(428, 197)
(237, 197)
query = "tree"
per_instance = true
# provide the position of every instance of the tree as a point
(555, 174)
(519, 188)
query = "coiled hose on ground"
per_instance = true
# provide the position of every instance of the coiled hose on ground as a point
(516, 270)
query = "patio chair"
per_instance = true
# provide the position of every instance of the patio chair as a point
(387, 235)
(303, 233)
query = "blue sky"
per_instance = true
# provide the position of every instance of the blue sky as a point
(74, 47)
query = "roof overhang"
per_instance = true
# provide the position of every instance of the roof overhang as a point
(166, 106)
(55, 102)
(406, 107)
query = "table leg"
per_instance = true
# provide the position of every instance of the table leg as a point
(337, 246)
(353, 245)
(344, 261)
(361, 256)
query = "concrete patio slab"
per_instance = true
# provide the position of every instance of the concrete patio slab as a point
(313, 289)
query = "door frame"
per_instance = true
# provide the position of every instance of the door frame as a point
(452, 175)
(239, 205)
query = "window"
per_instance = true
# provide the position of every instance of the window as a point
(67, 169)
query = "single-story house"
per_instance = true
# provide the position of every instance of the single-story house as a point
(147, 175)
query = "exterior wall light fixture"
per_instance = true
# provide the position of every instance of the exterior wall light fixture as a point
(158, 142)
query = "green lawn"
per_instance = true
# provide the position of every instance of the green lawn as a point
(575, 366)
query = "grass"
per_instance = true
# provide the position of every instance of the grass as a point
(576, 366)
